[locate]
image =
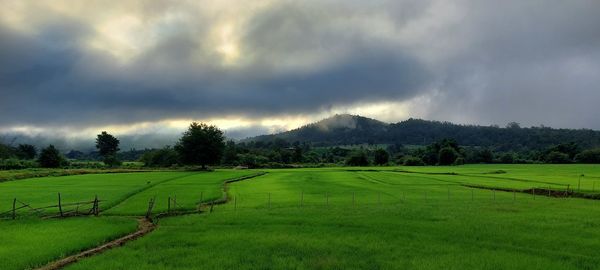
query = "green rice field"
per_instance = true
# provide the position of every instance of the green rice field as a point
(332, 218)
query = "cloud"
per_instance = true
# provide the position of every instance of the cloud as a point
(70, 65)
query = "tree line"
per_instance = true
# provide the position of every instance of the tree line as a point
(203, 145)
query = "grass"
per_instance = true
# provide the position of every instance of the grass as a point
(188, 190)
(30, 243)
(111, 188)
(339, 219)
(9, 175)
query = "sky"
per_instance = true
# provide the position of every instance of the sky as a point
(143, 70)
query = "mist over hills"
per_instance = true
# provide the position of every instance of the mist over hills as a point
(346, 129)
(353, 129)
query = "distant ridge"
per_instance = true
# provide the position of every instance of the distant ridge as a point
(346, 129)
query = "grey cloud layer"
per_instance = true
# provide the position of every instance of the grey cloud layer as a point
(536, 62)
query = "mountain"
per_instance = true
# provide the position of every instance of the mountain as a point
(340, 129)
(353, 129)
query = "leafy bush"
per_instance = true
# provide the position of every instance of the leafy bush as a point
(591, 156)
(555, 157)
(165, 157)
(15, 164)
(459, 161)
(413, 161)
(358, 158)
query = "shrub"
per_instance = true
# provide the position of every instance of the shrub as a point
(165, 157)
(557, 158)
(589, 156)
(413, 161)
(358, 158)
(459, 161)
(15, 164)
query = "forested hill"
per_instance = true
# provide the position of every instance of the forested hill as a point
(352, 129)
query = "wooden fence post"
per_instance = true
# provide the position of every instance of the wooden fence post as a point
(514, 195)
(169, 206)
(14, 211)
(533, 192)
(549, 195)
(60, 206)
(97, 206)
(150, 206)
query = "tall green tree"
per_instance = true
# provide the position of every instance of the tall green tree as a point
(358, 158)
(201, 145)
(50, 157)
(447, 156)
(108, 146)
(381, 157)
(26, 151)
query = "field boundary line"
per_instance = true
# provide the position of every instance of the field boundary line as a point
(553, 193)
(145, 226)
(479, 175)
(146, 187)
(75, 172)
(225, 189)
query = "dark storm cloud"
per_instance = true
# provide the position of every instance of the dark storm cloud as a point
(535, 62)
(57, 84)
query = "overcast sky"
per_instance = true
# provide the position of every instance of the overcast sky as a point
(147, 68)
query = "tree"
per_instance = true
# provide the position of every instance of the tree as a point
(50, 157)
(485, 156)
(201, 145)
(571, 149)
(358, 158)
(108, 146)
(165, 157)
(297, 155)
(26, 151)
(230, 154)
(447, 156)
(6, 151)
(591, 156)
(381, 157)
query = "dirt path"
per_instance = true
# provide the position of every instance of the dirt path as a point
(144, 227)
